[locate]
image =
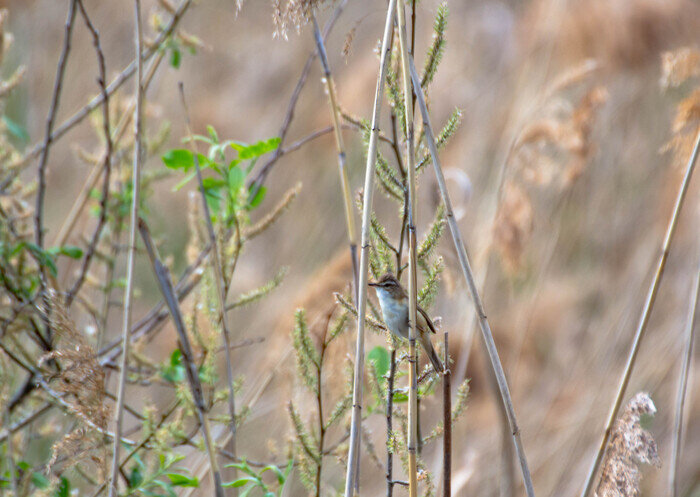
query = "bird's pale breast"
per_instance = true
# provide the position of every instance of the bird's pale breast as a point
(395, 314)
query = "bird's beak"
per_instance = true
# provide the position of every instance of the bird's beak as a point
(373, 284)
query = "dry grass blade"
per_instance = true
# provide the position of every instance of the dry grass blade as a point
(682, 387)
(166, 287)
(469, 277)
(354, 449)
(129, 291)
(644, 320)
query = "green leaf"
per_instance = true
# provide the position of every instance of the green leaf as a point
(175, 58)
(68, 250)
(240, 482)
(258, 198)
(236, 177)
(135, 477)
(256, 149)
(182, 481)
(179, 158)
(243, 466)
(400, 397)
(212, 184)
(16, 129)
(39, 480)
(63, 489)
(175, 371)
(276, 470)
(212, 132)
(43, 256)
(380, 356)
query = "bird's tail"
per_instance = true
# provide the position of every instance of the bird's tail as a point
(432, 355)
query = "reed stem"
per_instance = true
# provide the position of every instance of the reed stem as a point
(355, 432)
(469, 278)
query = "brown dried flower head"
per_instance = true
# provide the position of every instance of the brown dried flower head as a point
(81, 379)
(630, 446)
(513, 226)
(677, 67)
(297, 13)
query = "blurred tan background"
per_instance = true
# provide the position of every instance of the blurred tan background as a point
(563, 318)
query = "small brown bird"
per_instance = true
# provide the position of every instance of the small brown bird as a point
(394, 303)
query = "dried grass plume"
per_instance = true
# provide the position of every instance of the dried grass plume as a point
(630, 446)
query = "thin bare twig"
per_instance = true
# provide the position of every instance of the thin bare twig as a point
(447, 424)
(23, 422)
(342, 169)
(412, 276)
(48, 137)
(389, 422)
(354, 448)
(106, 162)
(644, 320)
(166, 287)
(682, 386)
(469, 277)
(91, 181)
(261, 176)
(220, 283)
(43, 161)
(116, 83)
(129, 291)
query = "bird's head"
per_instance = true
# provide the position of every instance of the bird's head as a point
(390, 286)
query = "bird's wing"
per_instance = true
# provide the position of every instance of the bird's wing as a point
(427, 319)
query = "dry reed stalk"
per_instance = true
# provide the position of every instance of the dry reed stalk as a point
(682, 386)
(129, 291)
(342, 169)
(354, 448)
(412, 276)
(469, 277)
(220, 283)
(166, 286)
(644, 320)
